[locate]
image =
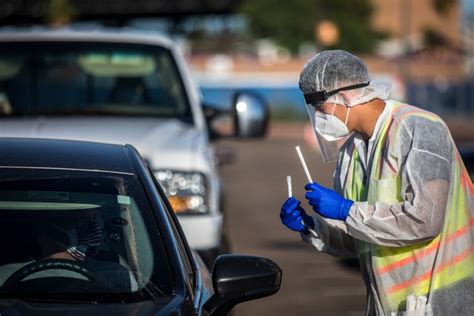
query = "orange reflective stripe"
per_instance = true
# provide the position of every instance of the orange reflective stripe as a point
(465, 179)
(428, 274)
(426, 251)
(469, 184)
(418, 112)
(466, 182)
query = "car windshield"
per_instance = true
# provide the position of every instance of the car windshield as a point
(90, 78)
(78, 235)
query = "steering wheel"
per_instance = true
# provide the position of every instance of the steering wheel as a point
(50, 264)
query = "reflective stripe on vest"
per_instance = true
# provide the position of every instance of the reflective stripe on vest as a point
(394, 267)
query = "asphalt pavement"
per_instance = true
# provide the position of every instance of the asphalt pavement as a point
(255, 186)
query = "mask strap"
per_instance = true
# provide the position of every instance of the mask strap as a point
(347, 116)
(333, 109)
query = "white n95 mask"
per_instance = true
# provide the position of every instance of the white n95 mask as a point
(328, 130)
(329, 126)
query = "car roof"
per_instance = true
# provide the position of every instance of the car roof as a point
(64, 154)
(100, 35)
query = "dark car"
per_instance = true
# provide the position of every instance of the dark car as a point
(86, 230)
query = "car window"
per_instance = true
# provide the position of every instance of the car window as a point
(88, 78)
(78, 233)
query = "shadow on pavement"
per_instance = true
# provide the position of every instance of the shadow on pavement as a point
(287, 245)
(352, 264)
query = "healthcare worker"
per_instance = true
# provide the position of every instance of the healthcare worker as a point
(402, 201)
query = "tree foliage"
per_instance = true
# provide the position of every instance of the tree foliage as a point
(60, 12)
(291, 23)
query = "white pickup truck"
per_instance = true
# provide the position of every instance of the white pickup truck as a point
(123, 88)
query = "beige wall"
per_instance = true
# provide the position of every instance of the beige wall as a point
(388, 17)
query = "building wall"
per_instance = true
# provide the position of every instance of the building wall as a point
(397, 17)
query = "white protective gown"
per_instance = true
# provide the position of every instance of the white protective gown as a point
(411, 225)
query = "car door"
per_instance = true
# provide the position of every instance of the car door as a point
(199, 281)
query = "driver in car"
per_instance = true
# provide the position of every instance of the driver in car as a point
(76, 237)
(72, 240)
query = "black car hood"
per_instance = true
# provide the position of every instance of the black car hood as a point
(162, 306)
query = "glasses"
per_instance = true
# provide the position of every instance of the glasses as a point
(319, 97)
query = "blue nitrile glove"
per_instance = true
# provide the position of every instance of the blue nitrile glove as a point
(292, 214)
(327, 202)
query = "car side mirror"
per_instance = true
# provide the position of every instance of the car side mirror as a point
(219, 121)
(239, 278)
(251, 115)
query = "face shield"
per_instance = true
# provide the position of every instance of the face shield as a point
(329, 149)
(314, 101)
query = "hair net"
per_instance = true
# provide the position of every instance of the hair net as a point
(332, 70)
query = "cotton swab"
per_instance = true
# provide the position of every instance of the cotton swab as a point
(290, 188)
(308, 176)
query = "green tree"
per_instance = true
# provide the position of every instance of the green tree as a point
(60, 12)
(291, 23)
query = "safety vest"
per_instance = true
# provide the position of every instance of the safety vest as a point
(423, 268)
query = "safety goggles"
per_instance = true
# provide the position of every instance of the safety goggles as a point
(317, 99)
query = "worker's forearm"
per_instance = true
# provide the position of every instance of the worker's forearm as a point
(332, 238)
(394, 225)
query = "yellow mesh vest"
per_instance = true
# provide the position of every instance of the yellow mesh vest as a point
(386, 260)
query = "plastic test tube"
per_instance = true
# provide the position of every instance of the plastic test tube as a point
(290, 188)
(290, 194)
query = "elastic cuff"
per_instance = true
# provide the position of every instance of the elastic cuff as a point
(345, 208)
(308, 220)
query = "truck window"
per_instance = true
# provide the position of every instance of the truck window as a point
(89, 78)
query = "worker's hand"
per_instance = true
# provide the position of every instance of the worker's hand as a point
(327, 202)
(292, 216)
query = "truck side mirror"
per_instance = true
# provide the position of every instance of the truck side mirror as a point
(248, 118)
(220, 122)
(251, 115)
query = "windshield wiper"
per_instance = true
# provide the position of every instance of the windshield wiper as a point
(108, 110)
(36, 299)
(81, 298)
